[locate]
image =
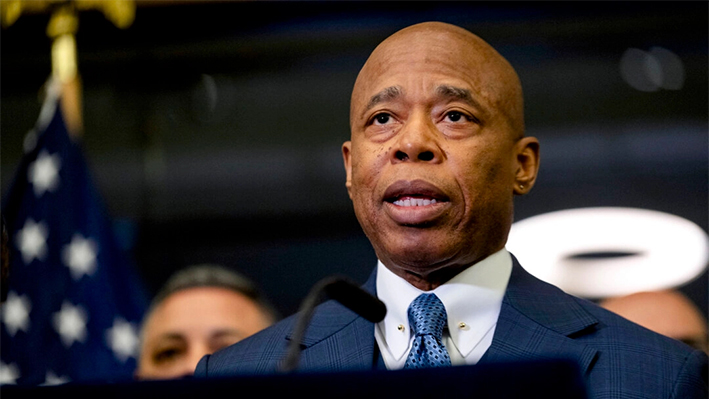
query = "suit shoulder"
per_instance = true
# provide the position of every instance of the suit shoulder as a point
(260, 353)
(620, 329)
(633, 361)
(622, 333)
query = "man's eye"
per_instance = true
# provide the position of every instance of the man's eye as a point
(455, 116)
(165, 355)
(382, 119)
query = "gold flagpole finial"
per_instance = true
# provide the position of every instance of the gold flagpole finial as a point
(120, 12)
(10, 10)
(62, 28)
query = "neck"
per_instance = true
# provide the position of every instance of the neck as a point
(429, 281)
(430, 277)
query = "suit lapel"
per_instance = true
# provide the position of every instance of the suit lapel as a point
(539, 321)
(339, 339)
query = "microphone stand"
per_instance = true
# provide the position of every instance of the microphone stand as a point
(342, 290)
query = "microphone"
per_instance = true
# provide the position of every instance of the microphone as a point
(343, 291)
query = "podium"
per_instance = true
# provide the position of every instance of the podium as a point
(547, 379)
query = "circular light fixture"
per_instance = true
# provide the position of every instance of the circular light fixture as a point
(609, 251)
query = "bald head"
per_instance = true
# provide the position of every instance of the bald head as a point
(496, 86)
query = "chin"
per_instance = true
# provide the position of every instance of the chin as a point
(420, 256)
(426, 253)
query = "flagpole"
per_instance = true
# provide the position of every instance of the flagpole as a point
(62, 29)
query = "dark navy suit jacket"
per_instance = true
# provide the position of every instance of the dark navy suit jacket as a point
(618, 359)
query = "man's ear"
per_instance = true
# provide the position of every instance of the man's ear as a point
(527, 164)
(347, 158)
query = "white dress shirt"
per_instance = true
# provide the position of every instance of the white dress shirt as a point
(472, 299)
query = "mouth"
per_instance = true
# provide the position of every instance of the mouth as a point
(416, 193)
(414, 201)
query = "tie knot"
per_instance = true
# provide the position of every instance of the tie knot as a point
(427, 315)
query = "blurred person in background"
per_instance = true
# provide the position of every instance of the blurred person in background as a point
(198, 311)
(668, 312)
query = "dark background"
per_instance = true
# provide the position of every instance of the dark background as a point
(213, 129)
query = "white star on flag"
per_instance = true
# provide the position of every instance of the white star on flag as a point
(32, 240)
(53, 379)
(43, 173)
(123, 339)
(9, 373)
(80, 256)
(16, 313)
(70, 323)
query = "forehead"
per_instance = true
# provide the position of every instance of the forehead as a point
(421, 58)
(200, 308)
(427, 59)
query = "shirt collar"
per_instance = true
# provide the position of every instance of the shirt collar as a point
(473, 297)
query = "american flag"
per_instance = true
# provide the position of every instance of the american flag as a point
(74, 299)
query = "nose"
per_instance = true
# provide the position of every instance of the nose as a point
(192, 358)
(417, 141)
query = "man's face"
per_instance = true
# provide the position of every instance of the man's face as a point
(192, 323)
(434, 158)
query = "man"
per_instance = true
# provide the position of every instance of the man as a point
(199, 310)
(437, 153)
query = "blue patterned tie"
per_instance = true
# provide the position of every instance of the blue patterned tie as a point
(427, 317)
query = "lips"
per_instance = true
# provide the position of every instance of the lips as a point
(414, 193)
(414, 203)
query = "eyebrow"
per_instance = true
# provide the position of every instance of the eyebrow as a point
(164, 340)
(226, 332)
(169, 338)
(172, 335)
(446, 91)
(457, 93)
(388, 94)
